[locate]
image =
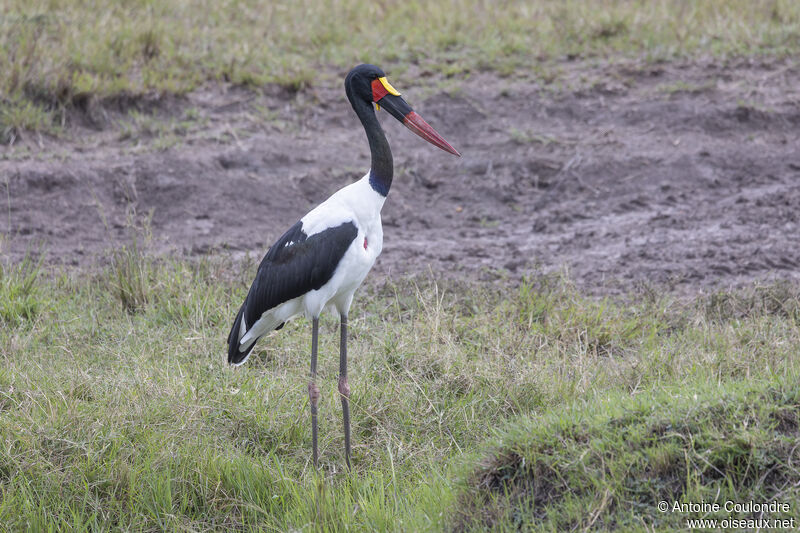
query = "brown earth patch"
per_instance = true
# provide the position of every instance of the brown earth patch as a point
(683, 175)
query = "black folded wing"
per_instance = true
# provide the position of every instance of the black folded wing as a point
(293, 266)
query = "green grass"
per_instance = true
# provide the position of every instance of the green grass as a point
(607, 464)
(55, 55)
(20, 297)
(119, 416)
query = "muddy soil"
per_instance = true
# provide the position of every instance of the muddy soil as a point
(677, 175)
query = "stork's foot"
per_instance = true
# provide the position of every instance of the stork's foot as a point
(313, 397)
(344, 391)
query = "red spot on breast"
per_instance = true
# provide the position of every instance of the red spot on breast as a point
(365, 243)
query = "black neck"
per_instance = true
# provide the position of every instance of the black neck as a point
(382, 169)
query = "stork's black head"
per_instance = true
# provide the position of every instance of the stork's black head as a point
(368, 84)
(358, 83)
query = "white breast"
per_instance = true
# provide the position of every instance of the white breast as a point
(360, 204)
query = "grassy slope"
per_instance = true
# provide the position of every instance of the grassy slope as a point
(57, 54)
(605, 465)
(118, 412)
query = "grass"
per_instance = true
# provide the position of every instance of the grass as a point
(20, 299)
(55, 56)
(606, 465)
(120, 416)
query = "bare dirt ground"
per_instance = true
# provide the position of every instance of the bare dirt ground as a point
(677, 175)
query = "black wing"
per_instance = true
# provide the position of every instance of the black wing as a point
(293, 266)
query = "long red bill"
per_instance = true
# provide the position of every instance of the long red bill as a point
(417, 124)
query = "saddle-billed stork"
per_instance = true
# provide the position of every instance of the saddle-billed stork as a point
(321, 260)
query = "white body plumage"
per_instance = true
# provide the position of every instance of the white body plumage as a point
(360, 204)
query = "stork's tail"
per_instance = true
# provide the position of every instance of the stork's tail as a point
(238, 354)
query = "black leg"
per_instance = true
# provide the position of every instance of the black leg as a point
(344, 389)
(313, 390)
